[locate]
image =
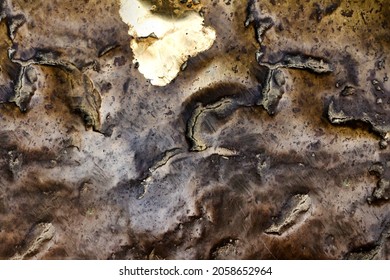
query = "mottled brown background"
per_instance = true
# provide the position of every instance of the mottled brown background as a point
(270, 145)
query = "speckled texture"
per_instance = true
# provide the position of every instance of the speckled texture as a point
(282, 124)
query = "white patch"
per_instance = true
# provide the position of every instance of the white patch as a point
(162, 45)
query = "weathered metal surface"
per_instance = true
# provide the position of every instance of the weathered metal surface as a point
(271, 144)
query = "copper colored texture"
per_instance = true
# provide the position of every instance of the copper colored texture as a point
(271, 144)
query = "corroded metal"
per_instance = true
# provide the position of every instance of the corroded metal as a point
(270, 144)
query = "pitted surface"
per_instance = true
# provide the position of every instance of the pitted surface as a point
(271, 144)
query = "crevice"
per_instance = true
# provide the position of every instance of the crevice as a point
(345, 111)
(106, 49)
(371, 250)
(221, 100)
(294, 212)
(299, 61)
(195, 122)
(14, 23)
(35, 241)
(83, 97)
(273, 84)
(381, 193)
(164, 159)
(260, 22)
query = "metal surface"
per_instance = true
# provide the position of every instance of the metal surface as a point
(272, 144)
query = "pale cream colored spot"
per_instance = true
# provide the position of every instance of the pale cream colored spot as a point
(161, 44)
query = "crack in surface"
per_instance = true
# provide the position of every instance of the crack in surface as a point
(300, 205)
(82, 97)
